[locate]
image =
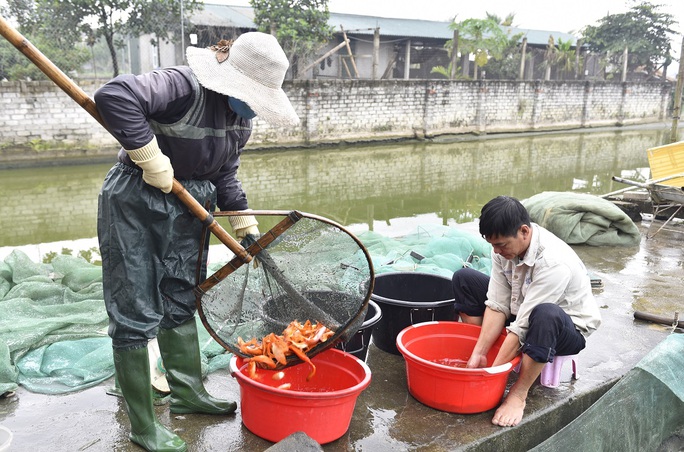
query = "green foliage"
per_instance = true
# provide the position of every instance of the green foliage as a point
(64, 25)
(301, 26)
(49, 28)
(160, 18)
(446, 71)
(491, 45)
(506, 22)
(88, 255)
(507, 66)
(643, 30)
(51, 255)
(482, 37)
(564, 57)
(441, 70)
(9, 57)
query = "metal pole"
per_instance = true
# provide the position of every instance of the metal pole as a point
(182, 31)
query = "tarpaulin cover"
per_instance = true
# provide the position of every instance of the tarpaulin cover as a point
(582, 219)
(638, 413)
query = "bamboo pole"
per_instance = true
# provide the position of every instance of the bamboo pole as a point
(327, 54)
(390, 67)
(351, 55)
(346, 68)
(661, 319)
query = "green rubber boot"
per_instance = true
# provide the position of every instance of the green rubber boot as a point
(133, 377)
(181, 356)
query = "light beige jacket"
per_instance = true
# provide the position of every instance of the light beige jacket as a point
(551, 272)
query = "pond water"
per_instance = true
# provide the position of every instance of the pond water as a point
(390, 188)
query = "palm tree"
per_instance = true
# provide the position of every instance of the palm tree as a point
(564, 58)
(506, 22)
(482, 37)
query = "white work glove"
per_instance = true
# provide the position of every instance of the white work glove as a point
(157, 169)
(243, 225)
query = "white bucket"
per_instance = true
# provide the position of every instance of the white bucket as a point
(5, 438)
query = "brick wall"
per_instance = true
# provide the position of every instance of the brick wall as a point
(38, 120)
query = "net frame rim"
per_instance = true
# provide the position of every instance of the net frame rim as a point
(321, 346)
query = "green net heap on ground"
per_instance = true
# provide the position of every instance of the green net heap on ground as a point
(434, 249)
(53, 327)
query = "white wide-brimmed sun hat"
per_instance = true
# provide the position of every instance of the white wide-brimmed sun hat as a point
(253, 72)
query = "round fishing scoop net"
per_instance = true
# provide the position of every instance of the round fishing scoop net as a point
(308, 269)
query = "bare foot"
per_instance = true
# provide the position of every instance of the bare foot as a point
(510, 412)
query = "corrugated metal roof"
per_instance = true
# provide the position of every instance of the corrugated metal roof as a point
(541, 37)
(413, 28)
(410, 28)
(242, 17)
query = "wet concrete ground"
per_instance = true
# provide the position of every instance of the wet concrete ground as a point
(386, 416)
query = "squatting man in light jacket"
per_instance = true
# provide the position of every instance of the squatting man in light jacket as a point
(191, 122)
(539, 291)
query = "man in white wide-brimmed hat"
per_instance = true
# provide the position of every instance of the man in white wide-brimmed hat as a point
(191, 122)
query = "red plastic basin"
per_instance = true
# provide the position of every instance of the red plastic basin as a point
(446, 387)
(322, 408)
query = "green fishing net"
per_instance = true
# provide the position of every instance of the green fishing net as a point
(433, 249)
(638, 413)
(309, 269)
(53, 326)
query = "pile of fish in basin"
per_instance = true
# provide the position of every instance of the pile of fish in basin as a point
(325, 386)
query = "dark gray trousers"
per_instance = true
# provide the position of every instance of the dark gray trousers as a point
(150, 246)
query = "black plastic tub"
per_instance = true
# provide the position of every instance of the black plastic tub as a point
(407, 298)
(357, 345)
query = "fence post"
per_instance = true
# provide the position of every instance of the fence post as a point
(376, 52)
(521, 74)
(537, 103)
(677, 109)
(454, 56)
(586, 102)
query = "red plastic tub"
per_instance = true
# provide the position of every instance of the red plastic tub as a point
(322, 408)
(444, 386)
